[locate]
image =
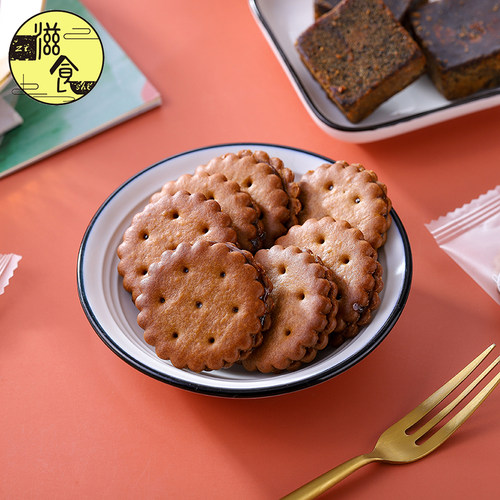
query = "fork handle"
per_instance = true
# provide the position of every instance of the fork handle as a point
(324, 482)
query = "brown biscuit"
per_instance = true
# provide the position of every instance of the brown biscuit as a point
(304, 309)
(354, 264)
(204, 306)
(287, 179)
(347, 192)
(269, 184)
(164, 224)
(236, 203)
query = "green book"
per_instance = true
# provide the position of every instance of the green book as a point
(121, 92)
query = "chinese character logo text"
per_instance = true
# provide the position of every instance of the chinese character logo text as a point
(56, 57)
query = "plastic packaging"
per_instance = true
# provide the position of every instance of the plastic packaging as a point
(8, 264)
(470, 235)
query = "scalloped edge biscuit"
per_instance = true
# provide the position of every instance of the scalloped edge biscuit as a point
(287, 178)
(304, 309)
(354, 264)
(347, 192)
(257, 176)
(204, 306)
(162, 225)
(236, 203)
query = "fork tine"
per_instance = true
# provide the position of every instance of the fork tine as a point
(450, 427)
(432, 401)
(445, 411)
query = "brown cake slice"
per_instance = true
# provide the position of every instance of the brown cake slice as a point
(397, 7)
(360, 55)
(461, 40)
(323, 6)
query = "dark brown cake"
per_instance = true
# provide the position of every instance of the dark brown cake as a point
(461, 39)
(360, 55)
(323, 6)
(397, 7)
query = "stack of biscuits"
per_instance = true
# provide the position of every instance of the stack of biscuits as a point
(239, 263)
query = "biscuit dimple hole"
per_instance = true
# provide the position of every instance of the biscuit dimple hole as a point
(144, 271)
(302, 296)
(344, 259)
(162, 300)
(248, 183)
(185, 270)
(287, 333)
(210, 196)
(145, 236)
(321, 240)
(357, 199)
(211, 340)
(282, 270)
(198, 305)
(222, 274)
(205, 230)
(329, 186)
(175, 215)
(235, 309)
(175, 335)
(339, 296)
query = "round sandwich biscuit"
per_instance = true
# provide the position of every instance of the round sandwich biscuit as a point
(287, 179)
(347, 192)
(304, 312)
(236, 203)
(204, 306)
(354, 264)
(162, 225)
(269, 184)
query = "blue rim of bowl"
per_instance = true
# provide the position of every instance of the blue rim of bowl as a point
(248, 392)
(366, 128)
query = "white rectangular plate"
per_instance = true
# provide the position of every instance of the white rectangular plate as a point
(417, 106)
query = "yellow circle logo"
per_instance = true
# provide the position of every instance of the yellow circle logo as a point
(56, 57)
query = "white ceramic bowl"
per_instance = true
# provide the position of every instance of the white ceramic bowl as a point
(113, 315)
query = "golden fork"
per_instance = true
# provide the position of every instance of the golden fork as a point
(397, 446)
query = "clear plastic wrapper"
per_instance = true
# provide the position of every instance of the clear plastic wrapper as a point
(470, 235)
